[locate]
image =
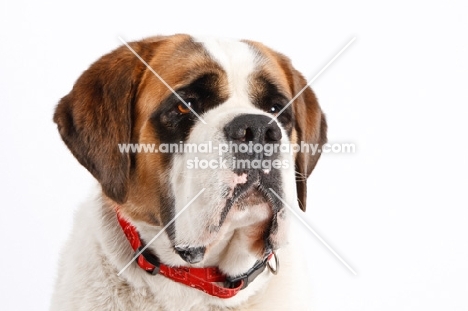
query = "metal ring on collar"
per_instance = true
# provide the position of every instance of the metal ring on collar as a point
(274, 269)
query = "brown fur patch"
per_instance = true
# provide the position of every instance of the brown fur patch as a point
(271, 68)
(111, 103)
(310, 124)
(96, 115)
(256, 235)
(149, 181)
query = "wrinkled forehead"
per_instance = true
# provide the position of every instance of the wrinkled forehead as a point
(239, 68)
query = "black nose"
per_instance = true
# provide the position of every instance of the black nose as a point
(253, 128)
(191, 254)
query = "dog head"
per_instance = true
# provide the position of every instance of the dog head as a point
(226, 95)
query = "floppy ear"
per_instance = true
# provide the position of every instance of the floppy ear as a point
(96, 116)
(311, 128)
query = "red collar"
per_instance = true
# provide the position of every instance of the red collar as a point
(200, 278)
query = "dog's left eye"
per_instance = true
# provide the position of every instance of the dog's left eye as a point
(275, 108)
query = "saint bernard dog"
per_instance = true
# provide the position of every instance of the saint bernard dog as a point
(188, 229)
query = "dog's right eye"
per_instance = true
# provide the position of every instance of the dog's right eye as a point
(184, 108)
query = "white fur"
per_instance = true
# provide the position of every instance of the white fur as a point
(239, 61)
(192, 227)
(97, 249)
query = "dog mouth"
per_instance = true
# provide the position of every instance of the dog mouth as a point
(252, 196)
(191, 255)
(252, 192)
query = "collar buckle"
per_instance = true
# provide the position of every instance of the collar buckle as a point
(249, 276)
(147, 261)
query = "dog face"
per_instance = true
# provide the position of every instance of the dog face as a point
(234, 89)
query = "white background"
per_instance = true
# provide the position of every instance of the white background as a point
(396, 210)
